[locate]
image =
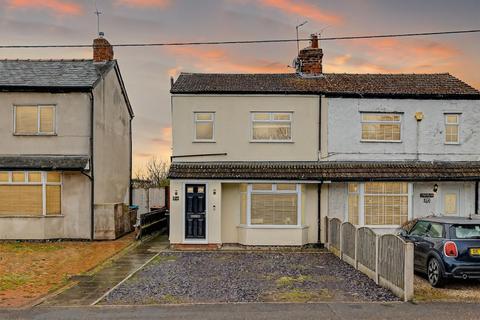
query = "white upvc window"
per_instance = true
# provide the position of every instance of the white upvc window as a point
(452, 126)
(30, 193)
(381, 127)
(34, 120)
(271, 126)
(204, 126)
(379, 203)
(271, 204)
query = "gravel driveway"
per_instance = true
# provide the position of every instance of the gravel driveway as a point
(212, 277)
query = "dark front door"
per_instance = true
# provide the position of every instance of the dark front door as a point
(195, 211)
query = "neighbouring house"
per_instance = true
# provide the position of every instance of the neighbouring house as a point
(262, 159)
(65, 148)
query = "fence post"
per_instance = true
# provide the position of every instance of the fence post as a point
(327, 231)
(340, 250)
(377, 259)
(356, 246)
(408, 277)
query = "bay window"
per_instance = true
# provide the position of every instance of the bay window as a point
(378, 203)
(30, 193)
(273, 204)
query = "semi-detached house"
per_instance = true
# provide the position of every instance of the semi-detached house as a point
(65, 148)
(261, 159)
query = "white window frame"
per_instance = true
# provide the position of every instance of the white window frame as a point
(361, 205)
(271, 120)
(39, 107)
(43, 183)
(445, 115)
(400, 122)
(274, 191)
(195, 121)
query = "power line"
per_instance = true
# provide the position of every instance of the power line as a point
(165, 44)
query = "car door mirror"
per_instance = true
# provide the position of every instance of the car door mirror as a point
(403, 233)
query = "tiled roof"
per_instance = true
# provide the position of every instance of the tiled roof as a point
(327, 170)
(48, 74)
(40, 162)
(441, 85)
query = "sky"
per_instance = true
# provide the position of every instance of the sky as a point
(146, 71)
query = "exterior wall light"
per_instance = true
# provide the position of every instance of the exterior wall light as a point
(435, 187)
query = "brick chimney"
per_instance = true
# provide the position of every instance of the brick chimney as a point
(309, 61)
(102, 50)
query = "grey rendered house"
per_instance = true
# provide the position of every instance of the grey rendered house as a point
(262, 159)
(65, 148)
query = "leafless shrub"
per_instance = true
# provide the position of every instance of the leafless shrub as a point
(153, 175)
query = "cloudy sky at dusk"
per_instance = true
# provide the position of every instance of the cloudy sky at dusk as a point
(146, 71)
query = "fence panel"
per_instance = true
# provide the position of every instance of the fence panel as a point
(366, 248)
(334, 233)
(348, 240)
(392, 259)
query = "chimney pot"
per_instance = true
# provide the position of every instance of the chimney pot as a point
(314, 41)
(102, 50)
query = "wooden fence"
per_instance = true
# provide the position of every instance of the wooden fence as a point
(387, 259)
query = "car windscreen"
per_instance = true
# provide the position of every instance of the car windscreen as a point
(466, 231)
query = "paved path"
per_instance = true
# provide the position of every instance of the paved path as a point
(324, 311)
(92, 287)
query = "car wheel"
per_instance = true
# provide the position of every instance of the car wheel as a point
(435, 273)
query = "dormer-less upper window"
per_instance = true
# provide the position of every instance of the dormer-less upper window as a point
(204, 126)
(452, 122)
(34, 120)
(271, 126)
(383, 127)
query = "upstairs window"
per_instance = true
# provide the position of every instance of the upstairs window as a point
(34, 120)
(452, 128)
(381, 127)
(204, 126)
(271, 126)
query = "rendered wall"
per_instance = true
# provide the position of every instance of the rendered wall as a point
(73, 223)
(111, 142)
(233, 127)
(344, 130)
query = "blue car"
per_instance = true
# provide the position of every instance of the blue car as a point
(445, 248)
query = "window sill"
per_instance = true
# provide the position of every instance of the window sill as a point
(452, 143)
(34, 134)
(381, 141)
(35, 217)
(204, 141)
(271, 141)
(258, 226)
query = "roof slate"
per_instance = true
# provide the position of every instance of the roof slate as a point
(441, 85)
(327, 170)
(39, 162)
(38, 74)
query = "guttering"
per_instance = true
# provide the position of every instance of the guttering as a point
(130, 190)
(334, 94)
(476, 196)
(92, 178)
(319, 215)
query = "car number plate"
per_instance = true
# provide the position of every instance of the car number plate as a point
(475, 251)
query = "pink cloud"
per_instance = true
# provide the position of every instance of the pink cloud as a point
(219, 60)
(144, 3)
(58, 6)
(305, 10)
